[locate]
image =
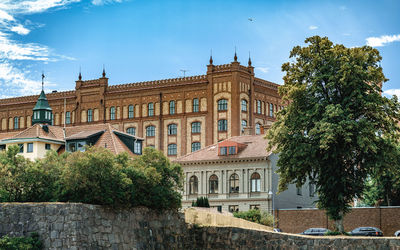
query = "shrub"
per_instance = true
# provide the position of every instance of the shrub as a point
(15, 243)
(255, 215)
(201, 202)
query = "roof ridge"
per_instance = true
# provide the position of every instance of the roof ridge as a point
(23, 131)
(112, 137)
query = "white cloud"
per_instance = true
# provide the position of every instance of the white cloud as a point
(21, 30)
(391, 92)
(313, 27)
(263, 69)
(103, 2)
(382, 40)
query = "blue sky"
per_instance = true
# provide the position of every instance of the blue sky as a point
(151, 40)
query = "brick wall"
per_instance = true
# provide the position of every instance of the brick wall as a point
(296, 221)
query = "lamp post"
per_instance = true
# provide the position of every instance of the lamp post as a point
(273, 209)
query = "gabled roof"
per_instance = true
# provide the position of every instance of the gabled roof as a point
(256, 148)
(36, 131)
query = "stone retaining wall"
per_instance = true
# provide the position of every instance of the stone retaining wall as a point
(82, 226)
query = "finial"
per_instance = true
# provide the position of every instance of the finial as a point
(249, 59)
(80, 75)
(43, 80)
(235, 57)
(211, 60)
(104, 71)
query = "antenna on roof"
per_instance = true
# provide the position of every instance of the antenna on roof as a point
(43, 80)
(184, 72)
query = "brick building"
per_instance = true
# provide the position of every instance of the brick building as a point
(177, 116)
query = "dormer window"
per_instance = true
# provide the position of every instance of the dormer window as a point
(232, 150)
(223, 150)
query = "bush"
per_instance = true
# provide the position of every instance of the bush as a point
(201, 202)
(15, 243)
(255, 215)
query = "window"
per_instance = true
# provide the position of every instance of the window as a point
(150, 131)
(311, 188)
(35, 115)
(223, 150)
(16, 122)
(21, 148)
(71, 147)
(130, 111)
(232, 150)
(172, 107)
(112, 113)
(90, 115)
(172, 149)
(137, 147)
(255, 207)
(222, 105)
(222, 125)
(196, 127)
(255, 182)
(213, 184)
(258, 107)
(244, 124)
(151, 109)
(30, 148)
(47, 146)
(271, 110)
(234, 183)
(80, 146)
(195, 146)
(131, 131)
(233, 208)
(172, 129)
(195, 105)
(67, 117)
(244, 105)
(258, 128)
(193, 185)
(299, 190)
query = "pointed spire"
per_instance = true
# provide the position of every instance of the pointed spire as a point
(104, 71)
(80, 75)
(249, 59)
(43, 81)
(235, 57)
(211, 60)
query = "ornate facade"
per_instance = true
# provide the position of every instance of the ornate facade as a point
(177, 116)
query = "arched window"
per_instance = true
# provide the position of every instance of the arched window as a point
(244, 105)
(258, 107)
(222, 125)
(222, 105)
(196, 146)
(16, 122)
(90, 115)
(130, 111)
(172, 107)
(213, 184)
(244, 124)
(131, 131)
(255, 182)
(172, 149)
(258, 128)
(150, 131)
(172, 129)
(234, 183)
(193, 185)
(150, 111)
(195, 105)
(196, 127)
(112, 113)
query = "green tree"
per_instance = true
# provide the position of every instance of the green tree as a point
(336, 123)
(201, 202)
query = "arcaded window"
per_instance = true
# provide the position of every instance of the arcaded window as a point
(255, 181)
(150, 131)
(193, 185)
(195, 105)
(234, 183)
(222, 105)
(244, 105)
(172, 129)
(16, 122)
(258, 128)
(90, 115)
(222, 125)
(172, 107)
(172, 149)
(131, 131)
(112, 113)
(150, 111)
(195, 146)
(130, 111)
(213, 184)
(196, 127)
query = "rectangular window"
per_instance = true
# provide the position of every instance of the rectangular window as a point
(222, 125)
(223, 150)
(16, 123)
(81, 146)
(258, 107)
(112, 113)
(138, 147)
(30, 148)
(90, 115)
(130, 111)
(196, 127)
(271, 110)
(233, 208)
(21, 148)
(195, 105)
(47, 146)
(172, 107)
(232, 150)
(151, 109)
(68, 117)
(71, 147)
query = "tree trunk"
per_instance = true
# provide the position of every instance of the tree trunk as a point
(387, 200)
(339, 223)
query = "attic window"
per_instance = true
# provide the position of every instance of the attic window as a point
(232, 150)
(223, 151)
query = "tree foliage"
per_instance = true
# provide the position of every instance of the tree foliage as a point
(255, 215)
(201, 202)
(336, 125)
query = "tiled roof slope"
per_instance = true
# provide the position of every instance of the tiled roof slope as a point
(256, 148)
(36, 131)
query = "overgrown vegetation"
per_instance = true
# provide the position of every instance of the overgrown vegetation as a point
(255, 215)
(201, 202)
(31, 242)
(95, 176)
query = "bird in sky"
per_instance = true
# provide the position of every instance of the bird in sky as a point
(250, 19)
